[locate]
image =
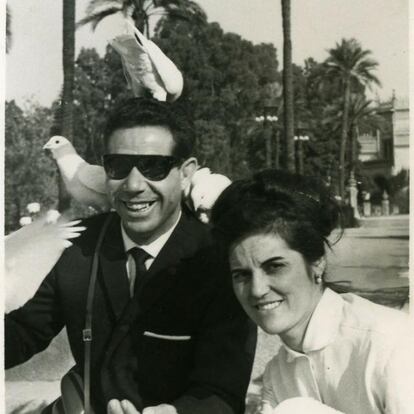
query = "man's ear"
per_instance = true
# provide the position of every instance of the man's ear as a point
(188, 168)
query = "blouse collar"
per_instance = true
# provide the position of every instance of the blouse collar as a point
(323, 326)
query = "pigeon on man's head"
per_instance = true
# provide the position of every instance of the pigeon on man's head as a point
(204, 190)
(32, 251)
(85, 182)
(146, 67)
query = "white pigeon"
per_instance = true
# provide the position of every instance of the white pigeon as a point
(32, 251)
(146, 67)
(85, 182)
(204, 190)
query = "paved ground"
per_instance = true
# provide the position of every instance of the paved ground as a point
(373, 256)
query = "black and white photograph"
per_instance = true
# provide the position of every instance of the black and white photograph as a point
(206, 207)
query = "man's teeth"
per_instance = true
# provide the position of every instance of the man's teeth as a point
(269, 306)
(138, 206)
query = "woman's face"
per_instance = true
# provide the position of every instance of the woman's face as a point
(275, 285)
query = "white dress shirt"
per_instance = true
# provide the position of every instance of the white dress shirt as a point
(152, 249)
(358, 358)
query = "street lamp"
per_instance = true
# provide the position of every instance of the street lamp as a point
(267, 117)
(300, 139)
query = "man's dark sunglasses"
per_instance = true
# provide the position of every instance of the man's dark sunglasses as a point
(152, 167)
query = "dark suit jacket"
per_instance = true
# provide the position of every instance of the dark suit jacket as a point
(135, 350)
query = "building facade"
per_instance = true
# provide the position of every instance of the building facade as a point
(385, 152)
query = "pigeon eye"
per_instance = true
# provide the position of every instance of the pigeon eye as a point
(57, 141)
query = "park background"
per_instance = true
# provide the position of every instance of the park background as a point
(231, 55)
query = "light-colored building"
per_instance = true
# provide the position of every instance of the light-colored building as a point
(385, 152)
(401, 134)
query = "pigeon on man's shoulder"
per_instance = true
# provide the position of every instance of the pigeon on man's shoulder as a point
(85, 182)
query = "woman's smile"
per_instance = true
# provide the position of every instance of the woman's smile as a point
(268, 305)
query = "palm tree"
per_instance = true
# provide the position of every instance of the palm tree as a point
(8, 29)
(64, 113)
(69, 9)
(362, 115)
(288, 87)
(141, 11)
(352, 67)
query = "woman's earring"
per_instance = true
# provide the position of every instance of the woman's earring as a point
(318, 279)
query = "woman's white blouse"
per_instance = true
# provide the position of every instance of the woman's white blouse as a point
(358, 358)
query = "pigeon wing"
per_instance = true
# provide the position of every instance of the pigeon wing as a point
(93, 177)
(30, 254)
(169, 75)
(89, 187)
(138, 68)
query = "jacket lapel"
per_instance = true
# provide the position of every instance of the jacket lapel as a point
(183, 243)
(113, 266)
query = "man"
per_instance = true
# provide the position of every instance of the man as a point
(168, 336)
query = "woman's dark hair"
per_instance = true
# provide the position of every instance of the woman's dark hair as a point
(135, 112)
(299, 209)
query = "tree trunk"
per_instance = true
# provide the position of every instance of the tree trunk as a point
(354, 147)
(344, 135)
(8, 29)
(69, 9)
(267, 131)
(277, 150)
(68, 67)
(300, 169)
(288, 87)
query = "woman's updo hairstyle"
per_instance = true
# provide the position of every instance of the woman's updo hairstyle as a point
(299, 209)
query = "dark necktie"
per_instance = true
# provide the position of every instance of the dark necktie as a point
(140, 256)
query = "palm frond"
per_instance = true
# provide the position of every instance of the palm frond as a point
(95, 6)
(95, 18)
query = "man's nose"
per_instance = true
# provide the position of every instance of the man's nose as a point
(259, 286)
(135, 181)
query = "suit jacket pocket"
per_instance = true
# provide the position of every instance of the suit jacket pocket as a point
(165, 363)
(167, 337)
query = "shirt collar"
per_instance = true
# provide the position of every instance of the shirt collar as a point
(323, 325)
(152, 248)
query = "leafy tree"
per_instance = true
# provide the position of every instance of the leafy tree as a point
(99, 84)
(142, 11)
(351, 67)
(29, 174)
(227, 80)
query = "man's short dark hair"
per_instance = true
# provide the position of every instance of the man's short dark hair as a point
(135, 112)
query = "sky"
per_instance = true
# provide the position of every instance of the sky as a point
(34, 68)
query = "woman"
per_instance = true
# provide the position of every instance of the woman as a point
(341, 350)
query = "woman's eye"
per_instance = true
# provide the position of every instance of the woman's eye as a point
(273, 267)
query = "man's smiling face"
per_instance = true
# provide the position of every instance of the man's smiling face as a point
(147, 208)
